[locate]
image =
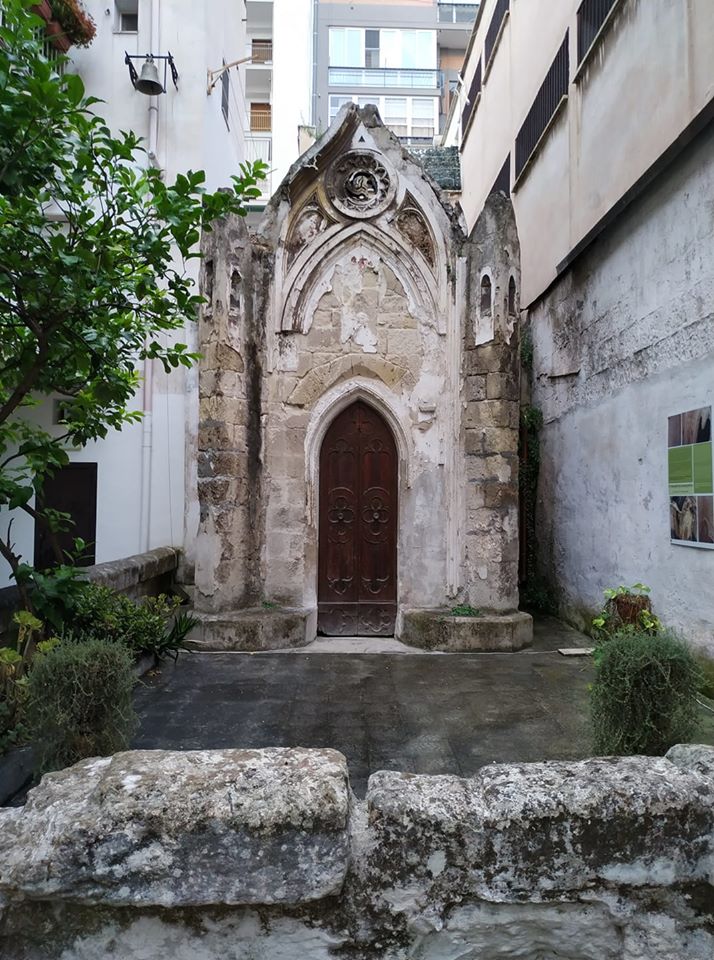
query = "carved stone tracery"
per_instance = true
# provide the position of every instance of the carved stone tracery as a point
(359, 185)
(412, 225)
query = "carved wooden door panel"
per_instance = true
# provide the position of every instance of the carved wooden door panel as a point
(357, 575)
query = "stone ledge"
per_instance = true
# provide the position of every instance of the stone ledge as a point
(490, 632)
(254, 628)
(537, 830)
(169, 829)
(131, 572)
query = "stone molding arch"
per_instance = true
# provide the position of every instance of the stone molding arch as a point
(333, 402)
(311, 274)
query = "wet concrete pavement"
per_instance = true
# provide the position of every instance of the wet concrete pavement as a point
(397, 710)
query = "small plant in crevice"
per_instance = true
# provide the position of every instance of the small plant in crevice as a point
(464, 610)
(643, 699)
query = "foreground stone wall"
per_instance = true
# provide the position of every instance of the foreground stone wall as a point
(266, 855)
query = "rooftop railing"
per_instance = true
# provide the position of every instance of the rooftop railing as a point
(383, 77)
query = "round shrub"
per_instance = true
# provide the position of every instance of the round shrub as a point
(643, 699)
(79, 702)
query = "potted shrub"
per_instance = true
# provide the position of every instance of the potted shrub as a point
(78, 26)
(67, 22)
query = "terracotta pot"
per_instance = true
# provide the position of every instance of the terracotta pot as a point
(630, 606)
(57, 37)
(43, 10)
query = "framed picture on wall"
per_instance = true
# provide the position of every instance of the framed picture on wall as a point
(691, 478)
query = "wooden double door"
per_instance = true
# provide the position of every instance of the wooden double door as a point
(357, 566)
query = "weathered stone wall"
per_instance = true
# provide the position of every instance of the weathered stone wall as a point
(266, 855)
(343, 296)
(491, 393)
(622, 342)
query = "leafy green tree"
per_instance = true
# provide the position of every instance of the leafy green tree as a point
(90, 239)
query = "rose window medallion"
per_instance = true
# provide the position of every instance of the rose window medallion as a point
(360, 185)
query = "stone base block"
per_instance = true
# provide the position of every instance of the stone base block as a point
(256, 628)
(490, 632)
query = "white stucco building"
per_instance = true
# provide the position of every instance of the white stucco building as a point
(596, 118)
(137, 477)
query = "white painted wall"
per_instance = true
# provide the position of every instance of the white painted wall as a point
(649, 77)
(292, 80)
(192, 134)
(624, 341)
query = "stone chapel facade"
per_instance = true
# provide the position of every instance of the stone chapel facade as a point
(359, 405)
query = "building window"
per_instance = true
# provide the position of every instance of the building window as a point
(336, 104)
(371, 48)
(471, 98)
(260, 119)
(382, 49)
(422, 118)
(127, 16)
(511, 297)
(395, 115)
(494, 30)
(226, 94)
(409, 118)
(261, 51)
(592, 17)
(485, 295)
(545, 105)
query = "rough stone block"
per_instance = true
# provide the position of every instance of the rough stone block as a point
(491, 413)
(531, 831)
(253, 628)
(475, 388)
(169, 829)
(439, 630)
(491, 440)
(502, 386)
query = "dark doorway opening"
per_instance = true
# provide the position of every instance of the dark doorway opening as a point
(72, 490)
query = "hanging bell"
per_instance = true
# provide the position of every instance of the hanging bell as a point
(148, 81)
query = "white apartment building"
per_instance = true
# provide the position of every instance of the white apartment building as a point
(597, 118)
(129, 490)
(401, 55)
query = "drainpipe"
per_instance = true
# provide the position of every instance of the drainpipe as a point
(314, 63)
(148, 377)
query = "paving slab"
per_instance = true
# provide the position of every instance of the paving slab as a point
(383, 705)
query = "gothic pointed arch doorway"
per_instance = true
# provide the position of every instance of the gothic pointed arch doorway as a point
(359, 510)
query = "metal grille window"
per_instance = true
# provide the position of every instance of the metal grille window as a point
(554, 88)
(474, 91)
(592, 16)
(261, 51)
(494, 29)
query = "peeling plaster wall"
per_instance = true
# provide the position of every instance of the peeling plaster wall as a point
(265, 854)
(625, 340)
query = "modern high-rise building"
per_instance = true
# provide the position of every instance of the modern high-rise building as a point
(402, 55)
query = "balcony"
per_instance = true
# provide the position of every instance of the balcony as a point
(262, 51)
(457, 13)
(260, 118)
(383, 77)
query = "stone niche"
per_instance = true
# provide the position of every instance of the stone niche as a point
(358, 288)
(265, 854)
